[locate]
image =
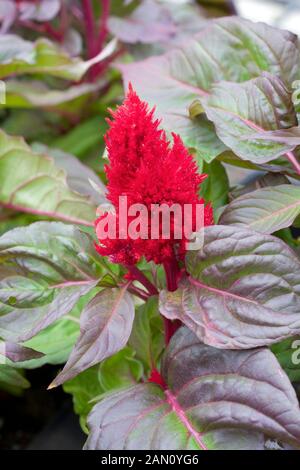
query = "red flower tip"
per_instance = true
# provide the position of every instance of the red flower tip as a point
(145, 167)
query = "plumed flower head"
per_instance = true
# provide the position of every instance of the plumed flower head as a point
(146, 168)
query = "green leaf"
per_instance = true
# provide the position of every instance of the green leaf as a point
(213, 400)
(10, 219)
(240, 110)
(22, 292)
(24, 94)
(217, 8)
(119, 7)
(243, 290)
(288, 355)
(83, 388)
(105, 327)
(57, 340)
(83, 138)
(32, 124)
(47, 268)
(19, 56)
(147, 338)
(119, 371)
(230, 49)
(80, 178)
(231, 159)
(31, 182)
(266, 180)
(10, 377)
(215, 187)
(265, 210)
(51, 251)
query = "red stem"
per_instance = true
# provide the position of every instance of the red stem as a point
(64, 19)
(45, 28)
(172, 271)
(102, 66)
(99, 69)
(103, 24)
(139, 276)
(169, 330)
(88, 15)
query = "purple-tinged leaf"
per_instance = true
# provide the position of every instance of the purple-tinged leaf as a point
(213, 400)
(73, 42)
(105, 327)
(57, 253)
(22, 324)
(80, 177)
(157, 24)
(53, 265)
(18, 353)
(150, 22)
(243, 290)
(230, 49)
(36, 94)
(172, 107)
(8, 12)
(13, 47)
(241, 110)
(266, 180)
(290, 136)
(118, 371)
(265, 210)
(23, 292)
(44, 10)
(19, 56)
(32, 182)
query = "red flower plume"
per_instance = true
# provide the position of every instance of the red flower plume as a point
(146, 168)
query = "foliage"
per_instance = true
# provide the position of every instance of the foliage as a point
(201, 350)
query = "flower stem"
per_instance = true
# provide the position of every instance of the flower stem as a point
(103, 23)
(45, 28)
(89, 27)
(99, 68)
(292, 158)
(169, 330)
(139, 276)
(172, 273)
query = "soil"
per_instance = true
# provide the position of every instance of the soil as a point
(38, 418)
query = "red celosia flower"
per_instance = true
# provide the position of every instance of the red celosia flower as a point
(147, 169)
